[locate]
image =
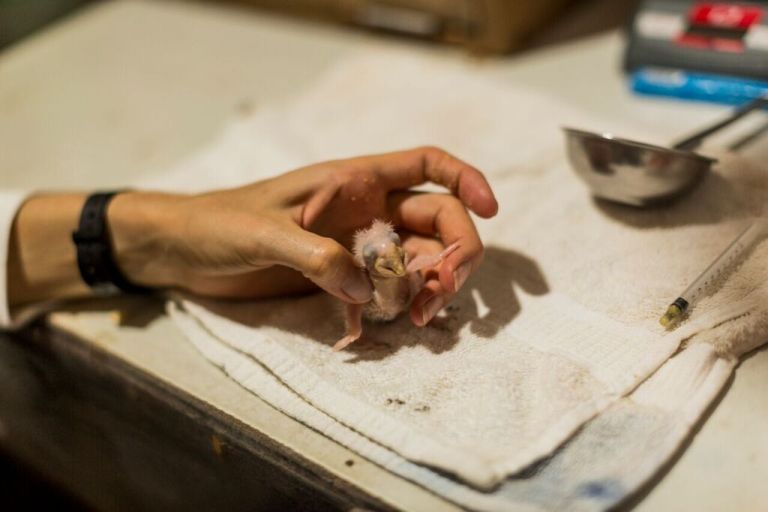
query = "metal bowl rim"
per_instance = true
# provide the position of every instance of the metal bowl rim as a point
(642, 145)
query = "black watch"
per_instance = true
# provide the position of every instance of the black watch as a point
(94, 249)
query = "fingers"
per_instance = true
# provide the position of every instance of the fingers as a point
(431, 296)
(445, 216)
(324, 261)
(405, 169)
(428, 302)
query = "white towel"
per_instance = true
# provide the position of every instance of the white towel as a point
(560, 321)
(591, 472)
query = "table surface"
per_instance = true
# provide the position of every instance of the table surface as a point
(128, 87)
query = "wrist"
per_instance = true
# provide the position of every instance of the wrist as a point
(142, 227)
(42, 262)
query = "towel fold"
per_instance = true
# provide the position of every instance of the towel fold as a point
(590, 472)
(559, 323)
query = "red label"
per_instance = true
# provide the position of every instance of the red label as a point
(711, 43)
(726, 15)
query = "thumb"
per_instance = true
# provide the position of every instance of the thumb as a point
(326, 263)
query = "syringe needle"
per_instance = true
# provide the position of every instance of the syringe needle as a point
(694, 292)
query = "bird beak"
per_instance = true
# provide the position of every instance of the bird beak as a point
(392, 267)
(398, 268)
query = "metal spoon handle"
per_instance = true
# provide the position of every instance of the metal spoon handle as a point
(692, 142)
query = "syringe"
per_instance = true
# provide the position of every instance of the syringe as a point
(698, 288)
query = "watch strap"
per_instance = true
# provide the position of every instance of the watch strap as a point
(94, 249)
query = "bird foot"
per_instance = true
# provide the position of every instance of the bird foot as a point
(346, 340)
(354, 326)
(426, 261)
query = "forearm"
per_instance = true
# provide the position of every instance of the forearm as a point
(42, 258)
(271, 237)
(42, 261)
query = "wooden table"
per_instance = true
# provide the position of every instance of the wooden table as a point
(126, 413)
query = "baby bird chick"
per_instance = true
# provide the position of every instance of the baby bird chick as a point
(378, 249)
(395, 279)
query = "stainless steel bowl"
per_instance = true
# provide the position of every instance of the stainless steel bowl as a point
(632, 172)
(642, 174)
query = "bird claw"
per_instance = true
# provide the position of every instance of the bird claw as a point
(345, 341)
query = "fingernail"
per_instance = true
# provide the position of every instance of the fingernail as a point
(460, 275)
(358, 288)
(430, 308)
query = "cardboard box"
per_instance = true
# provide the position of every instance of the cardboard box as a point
(490, 26)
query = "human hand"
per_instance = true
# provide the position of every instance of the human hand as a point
(285, 234)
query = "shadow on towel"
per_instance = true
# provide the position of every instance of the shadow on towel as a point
(715, 199)
(131, 311)
(486, 303)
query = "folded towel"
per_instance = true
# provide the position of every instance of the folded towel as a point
(559, 323)
(590, 472)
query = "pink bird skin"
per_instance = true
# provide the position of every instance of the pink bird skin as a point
(395, 279)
